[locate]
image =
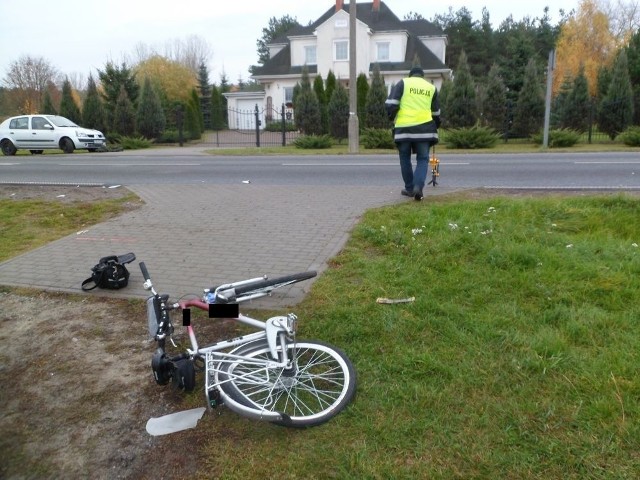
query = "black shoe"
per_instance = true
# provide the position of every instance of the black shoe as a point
(406, 193)
(417, 194)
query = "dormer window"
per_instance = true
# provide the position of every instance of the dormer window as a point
(341, 50)
(310, 56)
(383, 51)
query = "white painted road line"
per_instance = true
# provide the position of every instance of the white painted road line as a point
(357, 164)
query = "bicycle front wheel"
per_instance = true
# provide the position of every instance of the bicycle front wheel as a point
(319, 384)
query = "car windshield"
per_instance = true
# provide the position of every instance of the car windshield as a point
(59, 121)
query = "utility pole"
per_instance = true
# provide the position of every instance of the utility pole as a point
(547, 105)
(354, 129)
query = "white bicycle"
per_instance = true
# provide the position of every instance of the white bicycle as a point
(266, 375)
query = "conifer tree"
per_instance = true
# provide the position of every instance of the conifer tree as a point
(195, 101)
(529, 113)
(376, 113)
(339, 112)
(93, 115)
(150, 118)
(616, 108)
(47, 104)
(307, 108)
(494, 108)
(123, 114)
(576, 111)
(68, 107)
(362, 88)
(217, 109)
(205, 94)
(318, 87)
(112, 78)
(633, 57)
(560, 103)
(329, 85)
(461, 108)
(193, 117)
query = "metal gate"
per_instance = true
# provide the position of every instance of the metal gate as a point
(254, 127)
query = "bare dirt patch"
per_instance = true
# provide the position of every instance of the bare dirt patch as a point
(77, 388)
(77, 392)
(60, 193)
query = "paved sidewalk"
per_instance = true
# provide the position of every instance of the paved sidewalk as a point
(188, 245)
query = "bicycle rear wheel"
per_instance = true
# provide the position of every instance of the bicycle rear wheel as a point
(318, 386)
(272, 283)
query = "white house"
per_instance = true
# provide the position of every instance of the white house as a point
(381, 38)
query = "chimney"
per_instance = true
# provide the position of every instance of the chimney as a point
(376, 5)
(339, 5)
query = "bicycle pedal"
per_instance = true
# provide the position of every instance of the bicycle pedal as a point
(215, 400)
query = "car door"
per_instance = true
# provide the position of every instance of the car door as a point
(20, 132)
(42, 133)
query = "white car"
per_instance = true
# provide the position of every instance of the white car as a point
(37, 133)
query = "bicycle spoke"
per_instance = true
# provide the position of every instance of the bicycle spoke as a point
(312, 390)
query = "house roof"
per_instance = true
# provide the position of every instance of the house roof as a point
(382, 20)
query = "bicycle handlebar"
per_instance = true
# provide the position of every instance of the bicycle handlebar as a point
(145, 272)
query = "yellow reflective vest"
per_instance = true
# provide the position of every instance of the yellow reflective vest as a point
(415, 104)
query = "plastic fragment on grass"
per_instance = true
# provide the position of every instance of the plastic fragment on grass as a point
(174, 422)
(389, 301)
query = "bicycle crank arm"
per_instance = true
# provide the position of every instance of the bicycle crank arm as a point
(252, 413)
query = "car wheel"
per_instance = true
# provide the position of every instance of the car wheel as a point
(8, 148)
(36, 152)
(67, 146)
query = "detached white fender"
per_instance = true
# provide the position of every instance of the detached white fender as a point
(174, 422)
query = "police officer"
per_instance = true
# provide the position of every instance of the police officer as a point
(413, 104)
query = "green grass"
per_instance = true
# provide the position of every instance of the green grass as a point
(518, 358)
(28, 224)
(514, 146)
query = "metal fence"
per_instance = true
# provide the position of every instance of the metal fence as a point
(258, 127)
(261, 127)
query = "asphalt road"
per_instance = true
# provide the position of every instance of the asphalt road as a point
(545, 170)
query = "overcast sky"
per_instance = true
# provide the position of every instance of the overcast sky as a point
(77, 38)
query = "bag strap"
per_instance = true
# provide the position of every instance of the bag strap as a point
(92, 278)
(87, 282)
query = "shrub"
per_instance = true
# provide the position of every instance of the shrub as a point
(313, 141)
(631, 136)
(473, 137)
(276, 126)
(169, 136)
(559, 138)
(134, 143)
(377, 138)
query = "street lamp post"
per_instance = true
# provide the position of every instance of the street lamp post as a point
(354, 132)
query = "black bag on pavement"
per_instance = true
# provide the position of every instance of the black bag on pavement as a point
(109, 273)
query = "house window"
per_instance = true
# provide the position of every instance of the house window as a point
(288, 95)
(341, 50)
(310, 55)
(383, 51)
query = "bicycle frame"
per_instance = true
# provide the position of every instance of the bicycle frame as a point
(275, 330)
(264, 375)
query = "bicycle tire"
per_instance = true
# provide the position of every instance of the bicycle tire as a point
(321, 385)
(274, 282)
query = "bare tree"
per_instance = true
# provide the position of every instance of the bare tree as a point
(78, 81)
(27, 79)
(190, 52)
(142, 52)
(624, 18)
